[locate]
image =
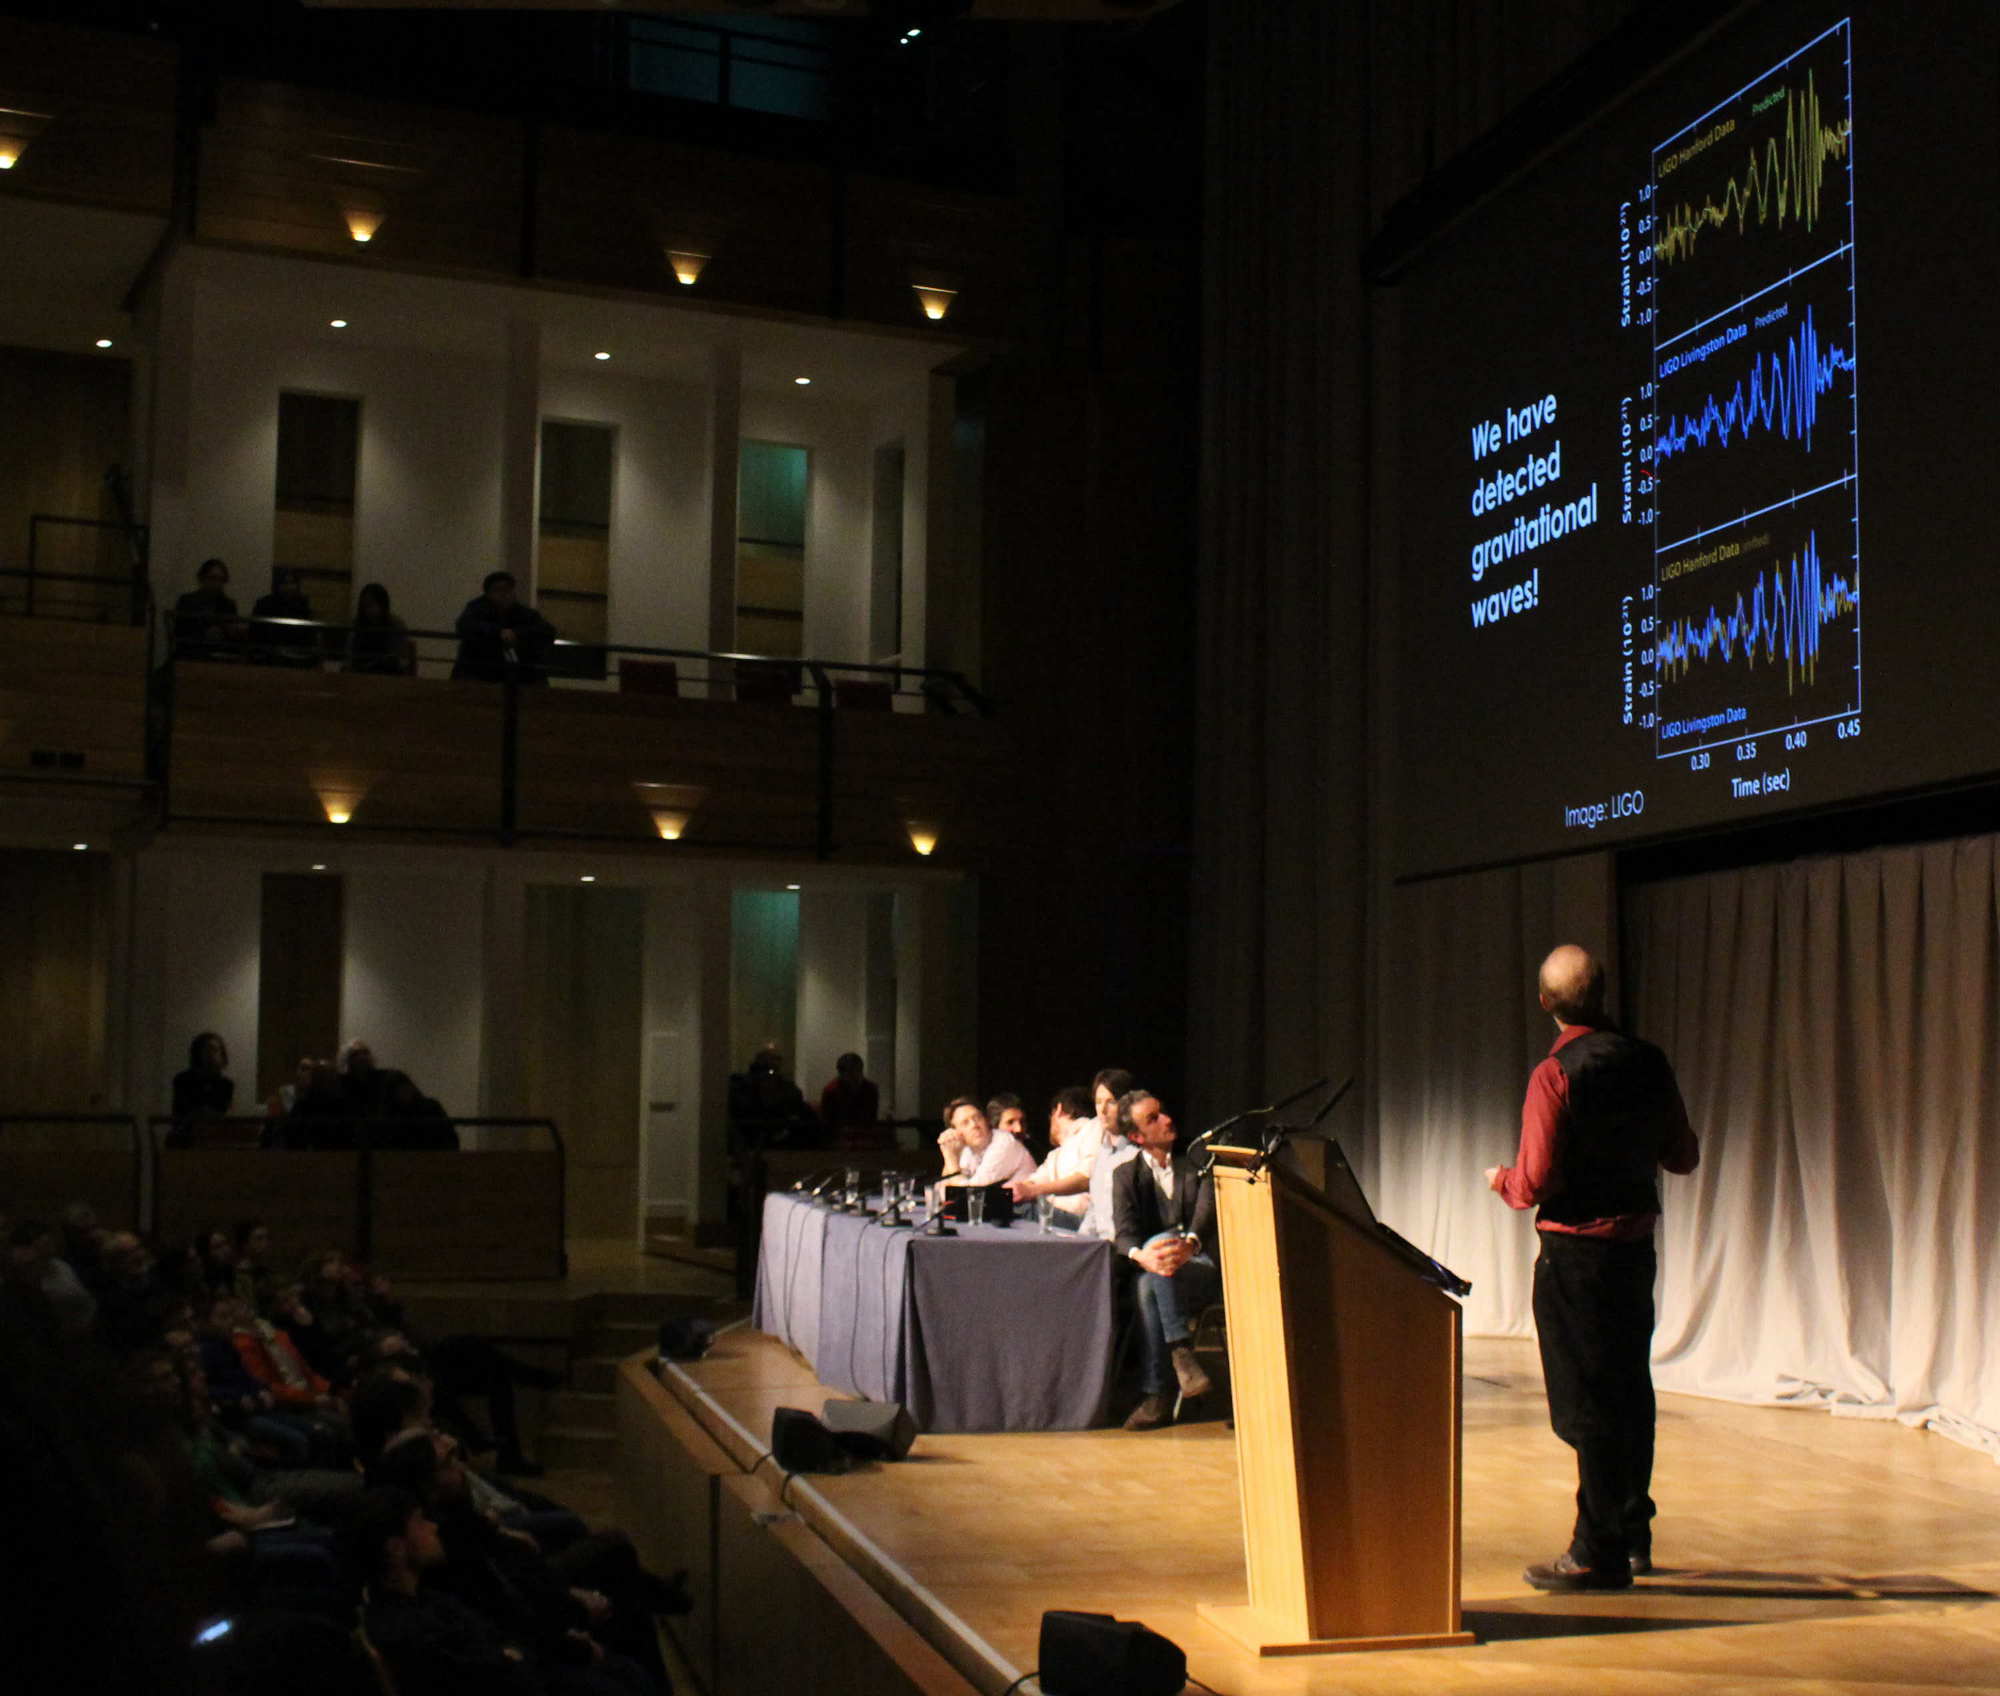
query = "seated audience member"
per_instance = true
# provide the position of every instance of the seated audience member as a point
(500, 637)
(502, 1574)
(205, 1090)
(975, 1153)
(255, 1280)
(464, 1365)
(850, 1108)
(218, 1257)
(1165, 1217)
(205, 622)
(33, 1264)
(271, 1358)
(412, 1119)
(129, 1291)
(1112, 1149)
(287, 1096)
(1074, 1139)
(318, 1117)
(362, 1083)
(768, 1110)
(379, 643)
(278, 644)
(81, 1239)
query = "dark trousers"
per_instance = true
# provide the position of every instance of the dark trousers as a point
(1594, 1313)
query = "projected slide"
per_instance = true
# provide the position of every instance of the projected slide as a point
(1748, 449)
(1695, 503)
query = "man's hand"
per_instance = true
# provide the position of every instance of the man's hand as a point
(593, 1602)
(1026, 1189)
(1165, 1258)
(1495, 1177)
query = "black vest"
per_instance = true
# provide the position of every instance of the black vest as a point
(1607, 1156)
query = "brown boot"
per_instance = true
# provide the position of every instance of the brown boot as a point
(1149, 1413)
(1194, 1381)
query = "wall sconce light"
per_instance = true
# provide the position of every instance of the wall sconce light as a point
(687, 265)
(935, 301)
(362, 222)
(923, 835)
(671, 806)
(18, 128)
(340, 797)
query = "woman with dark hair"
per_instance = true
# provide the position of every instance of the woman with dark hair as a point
(379, 642)
(204, 1090)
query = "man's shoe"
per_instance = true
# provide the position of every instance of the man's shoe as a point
(1642, 1560)
(1149, 1413)
(1567, 1573)
(1194, 1381)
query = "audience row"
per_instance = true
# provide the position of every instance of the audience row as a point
(192, 1434)
(327, 1105)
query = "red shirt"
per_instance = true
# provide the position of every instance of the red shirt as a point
(1530, 1179)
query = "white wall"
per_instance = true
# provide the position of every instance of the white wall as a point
(671, 1066)
(659, 500)
(427, 496)
(413, 978)
(198, 922)
(833, 983)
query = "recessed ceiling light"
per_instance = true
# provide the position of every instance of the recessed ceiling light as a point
(803, 382)
(319, 865)
(791, 886)
(103, 341)
(600, 355)
(336, 323)
(79, 846)
(586, 878)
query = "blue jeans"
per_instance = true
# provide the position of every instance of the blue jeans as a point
(1168, 1308)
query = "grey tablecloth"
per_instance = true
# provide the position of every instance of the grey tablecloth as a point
(989, 1330)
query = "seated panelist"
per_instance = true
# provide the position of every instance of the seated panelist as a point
(1075, 1136)
(975, 1153)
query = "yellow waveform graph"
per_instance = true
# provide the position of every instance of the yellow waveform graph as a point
(1785, 183)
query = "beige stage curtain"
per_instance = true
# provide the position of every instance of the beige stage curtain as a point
(1836, 1027)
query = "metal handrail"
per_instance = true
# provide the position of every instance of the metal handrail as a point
(136, 582)
(929, 678)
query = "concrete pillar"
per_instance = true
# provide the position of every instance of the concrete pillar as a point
(520, 451)
(725, 428)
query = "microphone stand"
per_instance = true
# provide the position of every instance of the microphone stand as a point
(1208, 1136)
(1284, 1133)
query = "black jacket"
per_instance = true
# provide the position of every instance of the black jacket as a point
(1138, 1212)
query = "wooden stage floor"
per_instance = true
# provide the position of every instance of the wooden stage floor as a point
(1797, 1552)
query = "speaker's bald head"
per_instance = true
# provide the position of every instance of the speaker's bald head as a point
(1572, 985)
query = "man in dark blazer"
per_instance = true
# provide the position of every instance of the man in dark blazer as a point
(1165, 1218)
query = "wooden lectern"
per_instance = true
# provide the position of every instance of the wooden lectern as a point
(1346, 1370)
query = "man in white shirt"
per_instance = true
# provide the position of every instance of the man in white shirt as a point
(1165, 1213)
(1075, 1136)
(975, 1153)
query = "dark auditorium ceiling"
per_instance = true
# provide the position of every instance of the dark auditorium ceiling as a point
(897, 11)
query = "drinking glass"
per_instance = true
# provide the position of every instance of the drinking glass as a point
(1044, 1208)
(975, 1206)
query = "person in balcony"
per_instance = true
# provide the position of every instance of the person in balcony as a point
(502, 638)
(379, 644)
(206, 625)
(850, 1108)
(278, 644)
(204, 1091)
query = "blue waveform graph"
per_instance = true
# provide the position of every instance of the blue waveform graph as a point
(1782, 620)
(1780, 395)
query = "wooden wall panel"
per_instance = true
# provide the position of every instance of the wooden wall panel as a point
(70, 418)
(102, 114)
(72, 688)
(298, 985)
(55, 967)
(584, 996)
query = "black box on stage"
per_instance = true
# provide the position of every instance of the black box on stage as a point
(685, 1338)
(800, 1443)
(999, 1204)
(871, 1430)
(1097, 1655)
